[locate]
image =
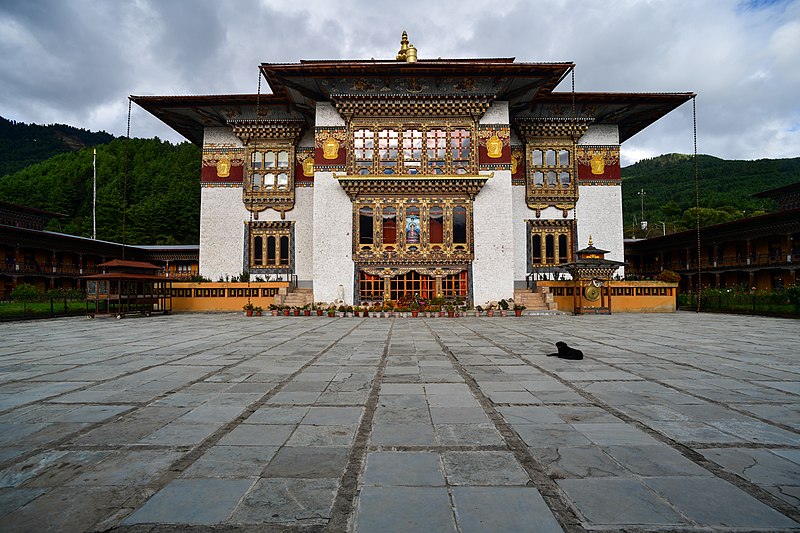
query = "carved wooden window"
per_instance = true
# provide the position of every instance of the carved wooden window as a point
(270, 171)
(270, 245)
(550, 242)
(423, 230)
(389, 227)
(413, 149)
(269, 178)
(455, 285)
(551, 179)
(366, 230)
(436, 226)
(370, 287)
(411, 283)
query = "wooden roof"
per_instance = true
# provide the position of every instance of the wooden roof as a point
(297, 87)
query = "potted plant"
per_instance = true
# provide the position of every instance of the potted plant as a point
(414, 309)
(331, 311)
(490, 307)
(258, 311)
(518, 308)
(450, 309)
(320, 306)
(388, 307)
(285, 309)
(248, 309)
(342, 310)
(503, 304)
(478, 311)
(274, 309)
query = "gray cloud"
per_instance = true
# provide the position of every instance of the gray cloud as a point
(76, 62)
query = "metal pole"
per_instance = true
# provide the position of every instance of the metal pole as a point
(94, 193)
(641, 195)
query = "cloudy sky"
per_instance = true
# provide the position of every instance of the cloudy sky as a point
(76, 61)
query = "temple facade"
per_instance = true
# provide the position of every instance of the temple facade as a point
(371, 180)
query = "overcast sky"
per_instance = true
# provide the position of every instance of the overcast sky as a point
(76, 61)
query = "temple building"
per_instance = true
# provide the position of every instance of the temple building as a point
(373, 179)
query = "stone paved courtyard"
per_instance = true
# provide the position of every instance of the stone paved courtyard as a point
(678, 422)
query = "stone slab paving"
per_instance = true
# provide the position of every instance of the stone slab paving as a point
(218, 422)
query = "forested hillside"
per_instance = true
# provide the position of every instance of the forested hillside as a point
(25, 144)
(163, 191)
(726, 189)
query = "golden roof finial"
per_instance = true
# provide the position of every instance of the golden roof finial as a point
(590, 241)
(401, 55)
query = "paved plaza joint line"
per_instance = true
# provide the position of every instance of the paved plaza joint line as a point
(216, 422)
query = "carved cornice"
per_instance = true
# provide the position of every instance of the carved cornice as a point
(424, 270)
(248, 130)
(356, 186)
(573, 128)
(350, 105)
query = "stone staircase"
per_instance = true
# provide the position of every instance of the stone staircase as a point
(539, 299)
(297, 298)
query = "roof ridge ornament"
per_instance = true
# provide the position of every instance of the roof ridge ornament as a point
(408, 51)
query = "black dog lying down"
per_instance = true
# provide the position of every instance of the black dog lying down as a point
(565, 352)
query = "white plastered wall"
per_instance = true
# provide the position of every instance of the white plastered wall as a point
(492, 225)
(223, 217)
(599, 209)
(333, 227)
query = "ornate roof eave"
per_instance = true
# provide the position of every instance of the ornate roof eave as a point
(474, 105)
(574, 127)
(249, 129)
(358, 185)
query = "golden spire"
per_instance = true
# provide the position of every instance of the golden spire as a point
(401, 55)
(408, 52)
(590, 241)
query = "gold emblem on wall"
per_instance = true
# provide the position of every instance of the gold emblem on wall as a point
(515, 158)
(308, 167)
(223, 167)
(494, 147)
(598, 164)
(330, 148)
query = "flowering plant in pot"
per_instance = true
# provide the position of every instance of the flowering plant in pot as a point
(331, 311)
(490, 307)
(258, 311)
(320, 307)
(414, 309)
(307, 310)
(518, 309)
(248, 309)
(273, 309)
(478, 310)
(503, 304)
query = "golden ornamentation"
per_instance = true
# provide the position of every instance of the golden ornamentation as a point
(308, 167)
(597, 164)
(401, 55)
(224, 167)
(330, 148)
(494, 148)
(402, 252)
(515, 159)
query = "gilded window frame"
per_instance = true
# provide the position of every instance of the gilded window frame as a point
(402, 124)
